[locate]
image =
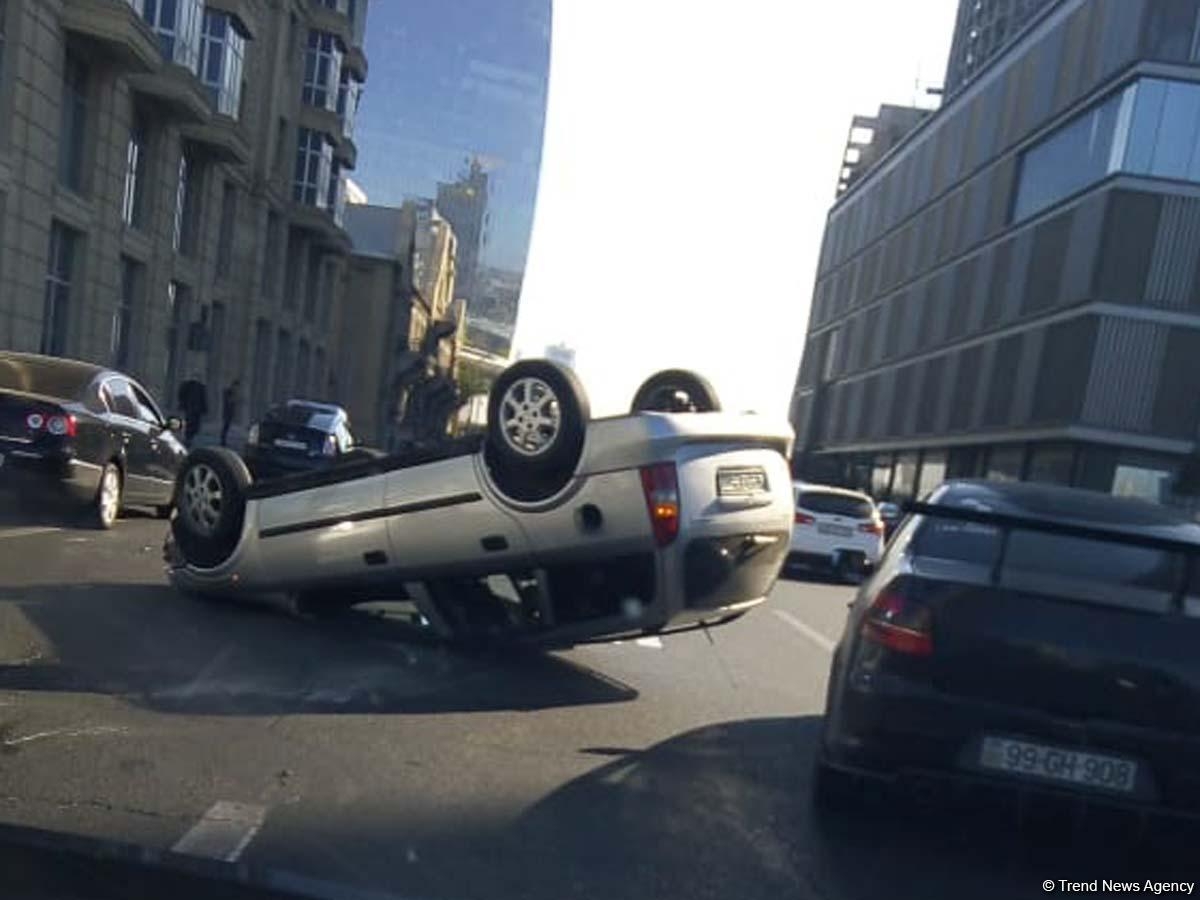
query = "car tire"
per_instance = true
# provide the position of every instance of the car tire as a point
(537, 418)
(210, 497)
(106, 506)
(659, 393)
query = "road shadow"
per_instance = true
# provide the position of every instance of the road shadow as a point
(814, 576)
(724, 811)
(170, 653)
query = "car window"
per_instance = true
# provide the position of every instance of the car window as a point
(147, 410)
(121, 399)
(1095, 561)
(969, 542)
(831, 504)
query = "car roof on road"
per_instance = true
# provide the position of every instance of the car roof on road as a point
(1069, 505)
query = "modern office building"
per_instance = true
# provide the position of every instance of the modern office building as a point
(172, 177)
(1013, 291)
(982, 28)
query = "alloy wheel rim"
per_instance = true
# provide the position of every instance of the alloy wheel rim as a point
(530, 416)
(202, 498)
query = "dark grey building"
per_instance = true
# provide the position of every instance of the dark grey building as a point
(1014, 290)
(982, 28)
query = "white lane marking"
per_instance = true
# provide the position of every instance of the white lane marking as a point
(654, 643)
(64, 732)
(809, 632)
(28, 531)
(223, 832)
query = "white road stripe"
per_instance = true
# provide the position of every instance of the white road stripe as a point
(654, 643)
(27, 532)
(223, 832)
(809, 632)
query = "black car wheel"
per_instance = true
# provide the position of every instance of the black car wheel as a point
(107, 504)
(676, 390)
(537, 416)
(210, 496)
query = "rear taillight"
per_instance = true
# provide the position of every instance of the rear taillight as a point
(875, 527)
(329, 448)
(61, 425)
(899, 623)
(804, 519)
(661, 487)
(58, 425)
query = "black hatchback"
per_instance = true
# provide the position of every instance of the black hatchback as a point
(1032, 638)
(75, 432)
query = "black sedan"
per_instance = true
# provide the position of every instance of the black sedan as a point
(1035, 639)
(298, 436)
(75, 432)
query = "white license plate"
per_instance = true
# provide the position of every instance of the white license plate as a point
(741, 482)
(837, 530)
(290, 445)
(1095, 770)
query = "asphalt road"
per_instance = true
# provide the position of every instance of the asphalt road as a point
(345, 753)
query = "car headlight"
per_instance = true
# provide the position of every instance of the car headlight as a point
(252, 434)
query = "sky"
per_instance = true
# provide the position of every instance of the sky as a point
(450, 79)
(691, 155)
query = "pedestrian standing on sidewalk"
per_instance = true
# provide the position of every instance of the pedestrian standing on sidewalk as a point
(193, 400)
(229, 405)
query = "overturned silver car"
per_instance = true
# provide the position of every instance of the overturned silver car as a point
(552, 528)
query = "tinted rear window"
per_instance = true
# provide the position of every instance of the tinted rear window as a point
(49, 378)
(1041, 553)
(836, 505)
(1103, 561)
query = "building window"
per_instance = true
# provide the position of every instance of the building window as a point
(1147, 128)
(322, 70)
(177, 23)
(187, 205)
(56, 307)
(314, 164)
(1006, 463)
(73, 125)
(270, 282)
(122, 324)
(904, 480)
(933, 472)
(1051, 463)
(137, 158)
(222, 61)
(228, 221)
(349, 98)
(336, 201)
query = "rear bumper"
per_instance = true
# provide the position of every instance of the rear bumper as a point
(897, 732)
(56, 478)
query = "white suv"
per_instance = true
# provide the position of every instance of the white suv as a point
(835, 529)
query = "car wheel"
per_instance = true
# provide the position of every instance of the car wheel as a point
(210, 497)
(537, 417)
(107, 505)
(676, 390)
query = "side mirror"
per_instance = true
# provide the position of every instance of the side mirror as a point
(174, 423)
